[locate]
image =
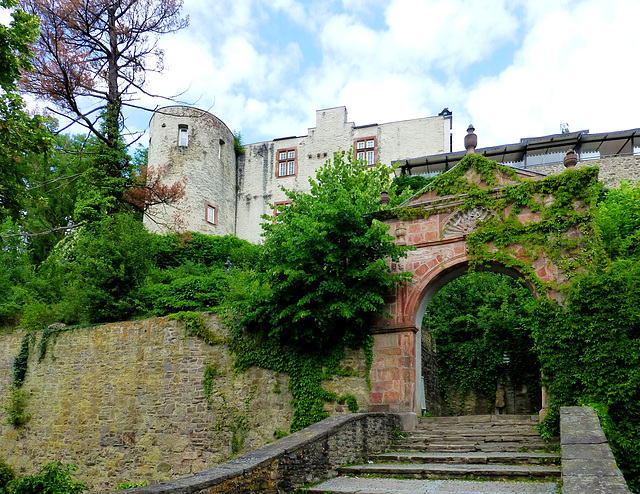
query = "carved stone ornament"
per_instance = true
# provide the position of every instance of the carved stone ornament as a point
(465, 222)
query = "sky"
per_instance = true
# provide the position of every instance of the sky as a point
(512, 68)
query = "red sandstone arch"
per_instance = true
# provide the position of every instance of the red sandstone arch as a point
(440, 255)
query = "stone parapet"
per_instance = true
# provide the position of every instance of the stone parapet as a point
(588, 464)
(613, 169)
(282, 466)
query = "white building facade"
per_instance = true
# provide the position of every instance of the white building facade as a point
(227, 193)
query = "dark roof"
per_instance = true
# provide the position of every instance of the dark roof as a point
(607, 144)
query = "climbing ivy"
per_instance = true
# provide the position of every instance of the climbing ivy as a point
(564, 202)
(17, 405)
(306, 371)
(195, 325)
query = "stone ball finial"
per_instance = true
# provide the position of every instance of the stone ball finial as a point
(470, 140)
(570, 159)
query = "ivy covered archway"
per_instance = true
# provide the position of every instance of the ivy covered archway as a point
(478, 214)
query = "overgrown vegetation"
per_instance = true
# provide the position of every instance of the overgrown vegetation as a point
(53, 478)
(7, 474)
(322, 276)
(477, 320)
(114, 269)
(588, 346)
(131, 485)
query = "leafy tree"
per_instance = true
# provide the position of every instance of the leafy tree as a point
(48, 202)
(15, 266)
(323, 274)
(325, 268)
(91, 274)
(618, 218)
(91, 59)
(20, 134)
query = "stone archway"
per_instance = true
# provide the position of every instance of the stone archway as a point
(438, 227)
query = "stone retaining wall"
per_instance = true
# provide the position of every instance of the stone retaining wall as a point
(125, 402)
(303, 457)
(588, 465)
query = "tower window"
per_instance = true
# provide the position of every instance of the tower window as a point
(183, 135)
(211, 214)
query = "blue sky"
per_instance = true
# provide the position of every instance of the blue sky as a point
(513, 68)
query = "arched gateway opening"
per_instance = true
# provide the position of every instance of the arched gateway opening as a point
(476, 352)
(479, 215)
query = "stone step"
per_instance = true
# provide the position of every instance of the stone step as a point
(474, 426)
(442, 471)
(480, 418)
(472, 446)
(490, 436)
(351, 485)
(469, 458)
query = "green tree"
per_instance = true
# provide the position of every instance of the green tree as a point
(91, 60)
(618, 218)
(323, 274)
(92, 274)
(53, 183)
(324, 268)
(20, 134)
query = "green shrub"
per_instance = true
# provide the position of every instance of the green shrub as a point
(590, 354)
(177, 249)
(92, 273)
(191, 292)
(54, 478)
(16, 409)
(7, 474)
(279, 434)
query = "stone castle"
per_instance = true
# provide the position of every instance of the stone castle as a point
(228, 193)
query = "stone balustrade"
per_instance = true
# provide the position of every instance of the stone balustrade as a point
(303, 457)
(588, 465)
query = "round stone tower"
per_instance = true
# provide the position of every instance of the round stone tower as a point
(195, 147)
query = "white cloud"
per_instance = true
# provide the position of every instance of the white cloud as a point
(574, 63)
(574, 66)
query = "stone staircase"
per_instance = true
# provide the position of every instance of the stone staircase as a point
(502, 453)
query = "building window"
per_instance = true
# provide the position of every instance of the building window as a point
(211, 214)
(183, 135)
(287, 162)
(278, 207)
(367, 150)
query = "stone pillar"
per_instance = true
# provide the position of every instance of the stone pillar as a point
(393, 370)
(545, 403)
